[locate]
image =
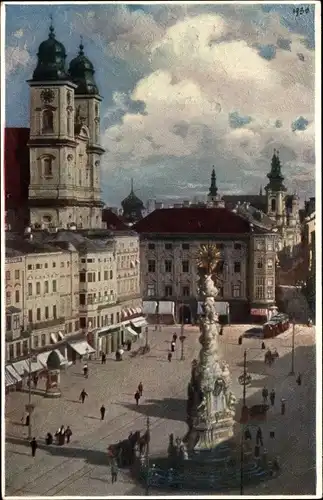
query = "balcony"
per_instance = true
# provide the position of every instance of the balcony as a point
(45, 324)
(129, 296)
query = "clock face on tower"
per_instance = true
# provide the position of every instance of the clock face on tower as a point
(47, 95)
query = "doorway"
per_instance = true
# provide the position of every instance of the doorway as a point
(185, 315)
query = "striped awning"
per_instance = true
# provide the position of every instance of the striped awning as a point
(10, 381)
(139, 322)
(131, 331)
(13, 373)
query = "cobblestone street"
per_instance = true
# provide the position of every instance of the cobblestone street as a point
(80, 468)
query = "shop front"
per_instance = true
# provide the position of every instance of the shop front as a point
(79, 349)
(259, 315)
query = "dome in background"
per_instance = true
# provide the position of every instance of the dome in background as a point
(51, 60)
(81, 72)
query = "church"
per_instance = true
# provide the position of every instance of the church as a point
(64, 141)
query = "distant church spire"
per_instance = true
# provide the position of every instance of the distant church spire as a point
(275, 175)
(260, 191)
(213, 187)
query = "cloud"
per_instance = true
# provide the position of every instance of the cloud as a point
(237, 121)
(267, 51)
(284, 44)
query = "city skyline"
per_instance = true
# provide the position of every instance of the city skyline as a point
(207, 85)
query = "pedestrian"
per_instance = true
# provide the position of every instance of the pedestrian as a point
(272, 397)
(103, 358)
(49, 438)
(172, 346)
(169, 356)
(57, 435)
(283, 406)
(221, 330)
(137, 397)
(174, 337)
(83, 395)
(263, 346)
(35, 381)
(240, 340)
(114, 471)
(259, 437)
(129, 345)
(299, 379)
(86, 371)
(265, 394)
(140, 389)
(68, 434)
(102, 411)
(34, 446)
(27, 420)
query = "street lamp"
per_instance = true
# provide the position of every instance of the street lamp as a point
(147, 455)
(292, 371)
(29, 407)
(244, 380)
(182, 339)
(146, 331)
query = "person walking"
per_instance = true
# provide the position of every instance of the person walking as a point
(34, 446)
(137, 397)
(102, 411)
(62, 436)
(172, 346)
(86, 371)
(283, 406)
(140, 389)
(265, 395)
(259, 437)
(103, 358)
(299, 379)
(272, 397)
(49, 439)
(83, 395)
(169, 356)
(174, 337)
(68, 434)
(114, 471)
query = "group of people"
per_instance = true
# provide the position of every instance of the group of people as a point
(270, 356)
(138, 393)
(172, 347)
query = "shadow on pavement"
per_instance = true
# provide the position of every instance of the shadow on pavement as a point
(168, 408)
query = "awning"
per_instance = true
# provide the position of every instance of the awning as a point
(53, 338)
(258, 312)
(43, 356)
(139, 322)
(10, 381)
(131, 331)
(166, 307)
(124, 313)
(149, 307)
(21, 367)
(61, 335)
(13, 373)
(81, 347)
(138, 310)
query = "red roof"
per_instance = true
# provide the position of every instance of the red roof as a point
(201, 220)
(16, 166)
(112, 221)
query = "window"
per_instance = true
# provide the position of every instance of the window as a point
(82, 299)
(270, 292)
(260, 292)
(168, 246)
(237, 246)
(236, 290)
(82, 278)
(38, 266)
(82, 322)
(90, 277)
(70, 327)
(11, 351)
(7, 275)
(37, 288)
(36, 341)
(106, 275)
(168, 266)
(8, 298)
(30, 289)
(273, 205)
(260, 281)
(270, 263)
(18, 349)
(185, 266)
(45, 265)
(16, 322)
(270, 282)
(62, 264)
(30, 316)
(17, 274)
(90, 298)
(54, 264)
(185, 246)
(46, 287)
(55, 312)
(151, 246)
(270, 246)
(77, 325)
(237, 267)
(111, 319)
(186, 291)
(17, 296)
(43, 339)
(25, 347)
(38, 314)
(48, 169)
(54, 286)
(168, 290)
(48, 121)
(46, 312)
(8, 322)
(151, 266)
(29, 267)
(260, 264)
(151, 291)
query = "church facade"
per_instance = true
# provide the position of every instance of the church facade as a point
(64, 143)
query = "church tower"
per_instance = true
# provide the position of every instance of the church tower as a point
(61, 193)
(276, 192)
(213, 199)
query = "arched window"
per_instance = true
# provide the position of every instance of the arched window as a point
(48, 121)
(48, 167)
(273, 205)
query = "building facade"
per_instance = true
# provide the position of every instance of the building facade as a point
(169, 240)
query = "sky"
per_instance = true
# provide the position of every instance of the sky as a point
(185, 87)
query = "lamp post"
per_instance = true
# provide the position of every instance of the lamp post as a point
(29, 406)
(292, 371)
(244, 380)
(146, 332)
(147, 455)
(182, 339)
